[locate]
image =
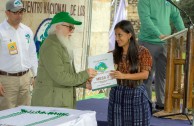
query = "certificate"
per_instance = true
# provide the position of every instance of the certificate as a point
(103, 64)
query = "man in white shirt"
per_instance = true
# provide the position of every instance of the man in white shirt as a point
(17, 57)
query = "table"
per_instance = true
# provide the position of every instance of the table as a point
(46, 116)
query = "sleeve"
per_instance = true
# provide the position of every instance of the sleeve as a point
(33, 55)
(176, 19)
(145, 59)
(58, 69)
(0, 40)
(146, 23)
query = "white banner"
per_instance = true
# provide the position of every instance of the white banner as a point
(121, 14)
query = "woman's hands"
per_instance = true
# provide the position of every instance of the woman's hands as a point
(32, 81)
(130, 76)
(117, 74)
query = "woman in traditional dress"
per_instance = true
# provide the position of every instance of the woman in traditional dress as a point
(128, 101)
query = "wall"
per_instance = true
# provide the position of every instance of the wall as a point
(133, 14)
(100, 26)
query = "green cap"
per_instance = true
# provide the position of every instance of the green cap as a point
(64, 17)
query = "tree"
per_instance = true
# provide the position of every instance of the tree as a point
(187, 6)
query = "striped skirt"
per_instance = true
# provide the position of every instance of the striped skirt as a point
(129, 106)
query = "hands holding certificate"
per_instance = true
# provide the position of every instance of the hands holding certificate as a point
(92, 73)
(103, 64)
(117, 74)
(88, 84)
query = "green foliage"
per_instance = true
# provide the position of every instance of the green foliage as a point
(188, 7)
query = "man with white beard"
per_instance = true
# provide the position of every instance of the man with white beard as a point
(56, 78)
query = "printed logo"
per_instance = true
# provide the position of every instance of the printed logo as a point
(41, 33)
(101, 67)
(28, 38)
(17, 3)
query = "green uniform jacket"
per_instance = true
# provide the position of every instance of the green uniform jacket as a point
(56, 78)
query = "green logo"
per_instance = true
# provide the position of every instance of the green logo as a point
(101, 67)
(41, 33)
(28, 38)
(17, 3)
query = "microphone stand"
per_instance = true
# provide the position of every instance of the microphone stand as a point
(186, 67)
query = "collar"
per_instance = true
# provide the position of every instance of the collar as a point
(8, 26)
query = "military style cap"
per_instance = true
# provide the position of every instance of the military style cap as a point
(64, 17)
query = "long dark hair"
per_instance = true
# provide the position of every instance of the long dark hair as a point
(132, 54)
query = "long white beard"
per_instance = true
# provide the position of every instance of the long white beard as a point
(66, 43)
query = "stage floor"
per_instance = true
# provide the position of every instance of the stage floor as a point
(101, 105)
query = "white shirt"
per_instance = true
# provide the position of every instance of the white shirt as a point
(26, 57)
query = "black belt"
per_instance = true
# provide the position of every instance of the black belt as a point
(14, 74)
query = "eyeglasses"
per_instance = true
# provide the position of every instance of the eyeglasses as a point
(71, 28)
(17, 13)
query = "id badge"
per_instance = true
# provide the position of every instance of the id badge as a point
(12, 47)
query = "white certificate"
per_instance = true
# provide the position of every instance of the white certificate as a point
(103, 64)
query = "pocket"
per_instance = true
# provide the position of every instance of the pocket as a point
(67, 61)
(42, 95)
(4, 103)
(4, 47)
(68, 65)
(63, 97)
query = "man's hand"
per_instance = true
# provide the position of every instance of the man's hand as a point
(32, 81)
(2, 91)
(88, 84)
(91, 72)
(162, 36)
